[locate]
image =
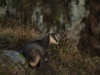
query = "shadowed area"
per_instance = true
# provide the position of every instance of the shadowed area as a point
(90, 37)
(45, 69)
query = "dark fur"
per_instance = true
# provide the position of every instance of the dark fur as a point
(38, 47)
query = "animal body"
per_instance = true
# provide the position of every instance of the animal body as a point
(36, 51)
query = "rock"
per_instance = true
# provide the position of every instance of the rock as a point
(37, 15)
(13, 63)
(11, 7)
(14, 56)
(76, 12)
(2, 11)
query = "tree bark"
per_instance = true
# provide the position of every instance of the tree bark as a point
(89, 41)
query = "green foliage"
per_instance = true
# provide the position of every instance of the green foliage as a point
(54, 49)
(29, 71)
(25, 64)
(59, 10)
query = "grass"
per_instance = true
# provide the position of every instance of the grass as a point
(69, 60)
(16, 38)
(64, 58)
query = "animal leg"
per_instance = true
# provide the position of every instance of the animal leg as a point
(46, 57)
(35, 62)
(30, 66)
(39, 63)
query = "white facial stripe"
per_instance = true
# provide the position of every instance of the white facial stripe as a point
(56, 37)
(52, 40)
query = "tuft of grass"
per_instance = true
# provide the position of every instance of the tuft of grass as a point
(16, 38)
(68, 60)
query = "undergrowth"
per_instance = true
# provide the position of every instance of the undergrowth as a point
(69, 60)
(65, 58)
(16, 38)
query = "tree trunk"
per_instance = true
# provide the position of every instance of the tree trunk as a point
(89, 41)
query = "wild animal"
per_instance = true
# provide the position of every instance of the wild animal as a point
(36, 51)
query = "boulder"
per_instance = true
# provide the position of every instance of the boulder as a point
(13, 63)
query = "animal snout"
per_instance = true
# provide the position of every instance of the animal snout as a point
(57, 42)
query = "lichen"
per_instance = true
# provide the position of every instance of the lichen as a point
(25, 64)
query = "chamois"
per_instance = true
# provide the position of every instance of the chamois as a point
(36, 51)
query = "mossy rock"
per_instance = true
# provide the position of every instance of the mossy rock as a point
(13, 63)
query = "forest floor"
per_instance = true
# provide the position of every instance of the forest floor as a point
(65, 58)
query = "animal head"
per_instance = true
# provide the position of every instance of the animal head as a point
(53, 37)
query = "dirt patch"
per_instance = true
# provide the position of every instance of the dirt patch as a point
(45, 69)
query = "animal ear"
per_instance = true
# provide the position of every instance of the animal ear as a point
(51, 31)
